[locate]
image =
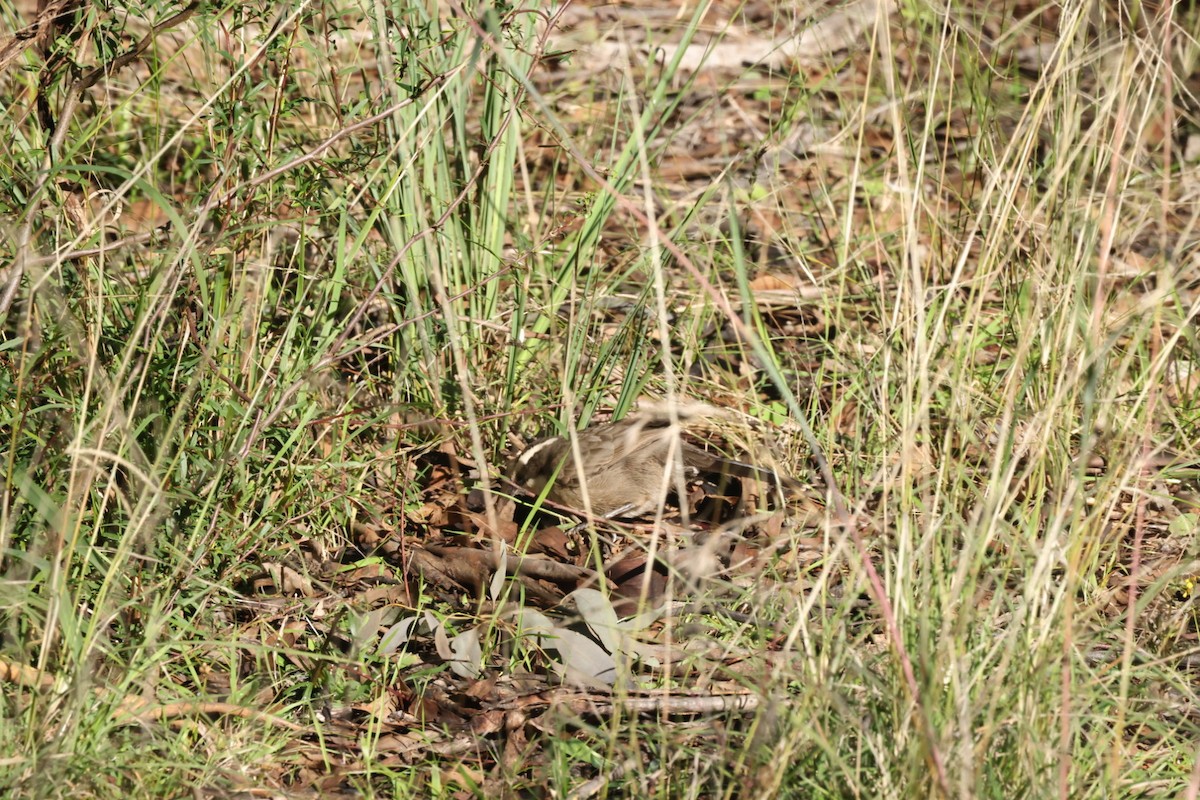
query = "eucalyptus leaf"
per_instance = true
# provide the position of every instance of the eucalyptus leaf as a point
(597, 611)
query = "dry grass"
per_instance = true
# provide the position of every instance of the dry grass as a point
(282, 287)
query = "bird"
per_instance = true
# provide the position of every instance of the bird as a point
(629, 467)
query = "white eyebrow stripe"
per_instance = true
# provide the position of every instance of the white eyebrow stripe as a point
(525, 457)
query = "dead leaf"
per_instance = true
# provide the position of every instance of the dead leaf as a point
(288, 581)
(487, 722)
(768, 282)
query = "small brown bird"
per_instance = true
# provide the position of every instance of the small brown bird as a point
(629, 467)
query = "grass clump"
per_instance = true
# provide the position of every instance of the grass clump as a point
(281, 288)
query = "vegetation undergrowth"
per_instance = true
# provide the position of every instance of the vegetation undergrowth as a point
(283, 287)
